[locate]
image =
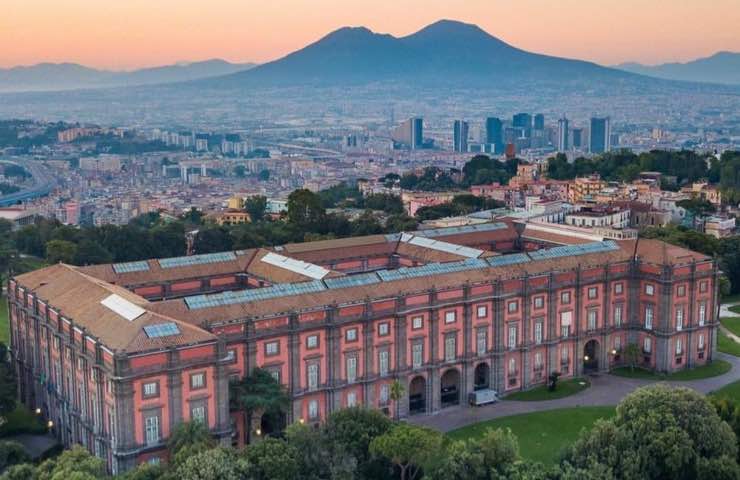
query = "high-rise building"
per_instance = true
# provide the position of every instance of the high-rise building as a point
(600, 136)
(523, 121)
(562, 134)
(495, 134)
(577, 134)
(460, 136)
(410, 133)
(539, 121)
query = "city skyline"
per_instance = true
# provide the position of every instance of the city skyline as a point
(102, 36)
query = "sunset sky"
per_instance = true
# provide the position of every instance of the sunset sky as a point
(125, 34)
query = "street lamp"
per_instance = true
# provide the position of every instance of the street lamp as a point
(50, 424)
(301, 421)
(585, 358)
(258, 432)
(614, 351)
(38, 411)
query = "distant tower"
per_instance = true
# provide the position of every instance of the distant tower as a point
(539, 122)
(600, 135)
(495, 134)
(460, 136)
(410, 133)
(524, 122)
(563, 134)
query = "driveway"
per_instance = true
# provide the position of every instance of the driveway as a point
(605, 390)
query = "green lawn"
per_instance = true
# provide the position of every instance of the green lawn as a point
(726, 345)
(541, 435)
(564, 389)
(732, 324)
(731, 390)
(731, 298)
(4, 322)
(717, 367)
(22, 420)
(734, 308)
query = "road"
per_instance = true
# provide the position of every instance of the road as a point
(43, 183)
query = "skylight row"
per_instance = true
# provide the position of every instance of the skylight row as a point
(197, 259)
(441, 246)
(128, 267)
(298, 266)
(158, 330)
(573, 250)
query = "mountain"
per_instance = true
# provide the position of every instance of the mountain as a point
(446, 52)
(66, 76)
(722, 67)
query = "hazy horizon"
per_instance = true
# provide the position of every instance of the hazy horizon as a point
(135, 34)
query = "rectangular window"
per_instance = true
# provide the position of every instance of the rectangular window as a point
(482, 311)
(275, 374)
(702, 313)
(512, 336)
(538, 361)
(313, 409)
(617, 315)
(538, 332)
(312, 341)
(539, 302)
(450, 317)
(681, 291)
(231, 355)
(679, 318)
(592, 314)
(647, 345)
(152, 429)
(384, 329)
(679, 346)
(565, 320)
(151, 389)
(417, 354)
(385, 394)
(313, 376)
(618, 288)
(592, 293)
(272, 348)
(350, 335)
(481, 341)
(198, 414)
(564, 355)
(701, 341)
(512, 366)
(450, 348)
(351, 399)
(513, 306)
(618, 343)
(703, 286)
(565, 298)
(383, 362)
(197, 380)
(351, 365)
(417, 323)
(649, 289)
(649, 317)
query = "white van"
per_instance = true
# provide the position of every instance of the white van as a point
(482, 397)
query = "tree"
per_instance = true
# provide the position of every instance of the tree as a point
(264, 175)
(187, 434)
(7, 383)
(366, 224)
(400, 223)
(60, 251)
(305, 210)
(256, 206)
(259, 392)
(409, 447)
(631, 355)
(23, 471)
(552, 385)
(397, 392)
(73, 464)
(659, 432)
(91, 253)
(490, 456)
(212, 239)
(240, 171)
(12, 453)
(213, 464)
(271, 459)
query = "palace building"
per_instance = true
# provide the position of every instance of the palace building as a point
(116, 355)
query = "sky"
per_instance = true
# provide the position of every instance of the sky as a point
(127, 34)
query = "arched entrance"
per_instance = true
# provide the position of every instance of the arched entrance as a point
(591, 356)
(481, 376)
(450, 388)
(417, 395)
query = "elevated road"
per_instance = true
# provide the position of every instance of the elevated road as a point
(44, 183)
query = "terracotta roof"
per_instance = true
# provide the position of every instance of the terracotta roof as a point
(275, 274)
(77, 296)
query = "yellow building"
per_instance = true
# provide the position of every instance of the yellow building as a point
(236, 203)
(584, 189)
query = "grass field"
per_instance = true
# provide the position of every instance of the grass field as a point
(717, 367)
(734, 308)
(731, 390)
(541, 435)
(726, 345)
(564, 389)
(732, 324)
(4, 322)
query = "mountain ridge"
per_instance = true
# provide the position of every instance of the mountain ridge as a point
(721, 67)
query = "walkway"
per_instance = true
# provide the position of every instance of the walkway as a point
(605, 390)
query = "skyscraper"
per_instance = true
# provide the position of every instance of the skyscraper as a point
(460, 136)
(600, 135)
(577, 137)
(562, 134)
(523, 121)
(539, 121)
(410, 133)
(495, 134)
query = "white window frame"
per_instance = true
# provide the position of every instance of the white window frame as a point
(592, 318)
(351, 399)
(679, 318)
(538, 327)
(313, 409)
(417, 323)
(593, 293)
(618, 315)
(351, 368)
(649, 289)
(618, 288)
(700, 342)
(383, 362)
(350, 335)
(647, 345)
(649, 314)
(481, 341)
(679, 347)
(197, 380)
(450, 348)
(312, 376)
(450, 316)
(702, 313)
(384, 329)
(198, 414)
(417, 355)
(482, 311)
(151, 429)
(539, 301)
(151, 389)
(511, 338)
(312, 341)
(272, 348)
(512, 366)
(512, 306)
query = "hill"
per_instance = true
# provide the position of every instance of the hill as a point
(722, 67)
